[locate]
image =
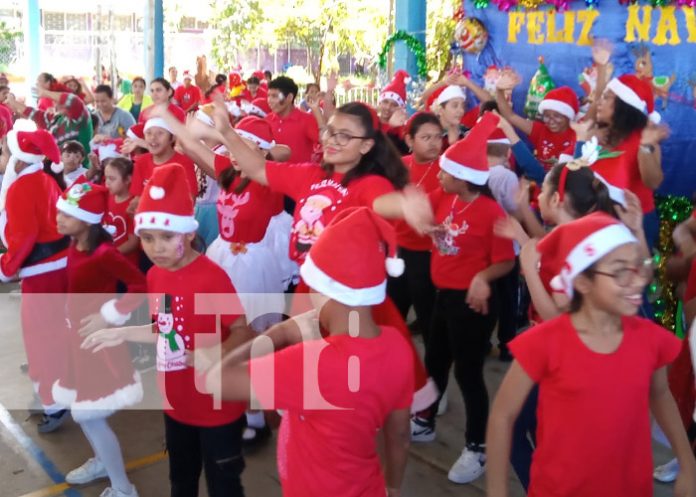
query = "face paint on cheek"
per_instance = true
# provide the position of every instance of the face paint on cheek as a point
(180, 247)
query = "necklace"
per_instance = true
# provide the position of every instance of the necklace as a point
(454, 201)
(427, 173)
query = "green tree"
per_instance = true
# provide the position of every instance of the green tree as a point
(8, 44)
(236, 23)
(440, 34)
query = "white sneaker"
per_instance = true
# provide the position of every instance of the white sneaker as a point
(421, 430)
(442, 406)
(668, 472)
(112, 492)
(92, 470)
(470, 465)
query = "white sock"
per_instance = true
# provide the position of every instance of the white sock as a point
(107, 449)
(255, 419)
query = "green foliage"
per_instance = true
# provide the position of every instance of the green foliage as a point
(440, 34)
(237, 23)
(8, 47)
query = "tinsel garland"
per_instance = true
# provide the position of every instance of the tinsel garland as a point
(672, 211)
(414, 45)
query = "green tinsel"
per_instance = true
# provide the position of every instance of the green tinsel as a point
(481, 4)
(414, 45)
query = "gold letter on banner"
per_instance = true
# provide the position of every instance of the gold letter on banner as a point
(636, 26)
(589, 17)
(534, 34)
(515, 22)
(568, 26)
(690, 16)
(667, 30)
(552, 35)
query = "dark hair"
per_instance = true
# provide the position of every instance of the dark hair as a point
(625, 121)
(420, 119)
(122, 165)
(488, 106)
(73, 146)
(96, 236)
(267, 74)
(106, 89)
(253, 80)
(383, 159)
(480, 189)
(57, 177)
(167, 85)
(220, 79)
(228, 176)
(48, 77)
(285, 85)
(4, 87)
(576, 301)
(312, 85)
(138, 78)
(584, 193)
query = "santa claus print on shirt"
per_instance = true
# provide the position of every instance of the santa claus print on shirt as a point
(171, 350)
(310, 225)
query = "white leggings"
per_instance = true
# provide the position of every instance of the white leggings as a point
(107, 449)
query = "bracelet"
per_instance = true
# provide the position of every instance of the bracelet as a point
(647, 148)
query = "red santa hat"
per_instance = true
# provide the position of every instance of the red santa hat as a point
(636, 93)
(443, 95)
(166, 202)
(573, 247)
(33, 146)
(258, 107)
(136, 131)
(187, 74)
(351, 259)
(562, 100)
(257, 130)
(467, 159)
(84, 201)
(396, 90)
(158, 122)
(259, 74)
(498, 136)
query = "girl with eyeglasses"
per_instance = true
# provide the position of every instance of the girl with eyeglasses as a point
(601, 372)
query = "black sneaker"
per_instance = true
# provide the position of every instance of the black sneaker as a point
(51, 422)
(253, 437)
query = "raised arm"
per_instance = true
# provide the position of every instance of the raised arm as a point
(507, 82)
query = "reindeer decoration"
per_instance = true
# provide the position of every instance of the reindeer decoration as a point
(204, 78)
(644, 70)
(229, 212)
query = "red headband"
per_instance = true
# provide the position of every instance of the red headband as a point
(562, 182)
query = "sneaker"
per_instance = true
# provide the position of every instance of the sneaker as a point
(422, 430)
(92, 470)
(254, 436)
(51, 422)
(470, 465)
(668, 472)
(442, 406)
(112, 492)
(35, 408)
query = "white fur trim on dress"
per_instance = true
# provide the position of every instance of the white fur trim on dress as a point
(103, 407)
(462, 172)
(73, 210)
(165, 221)
(450, 93)
(557, 106)
(390, 95)
(43, 268)
(17, 152)
(5, 278)
(111, 314)
(323, 283)
(424, 397)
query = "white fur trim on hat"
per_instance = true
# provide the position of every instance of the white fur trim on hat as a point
(253, 109)
(464, 173)
(165, 221)
(57, 168)
(157, 122)
(15, 151)
(390, 95)
(501, 141)
(324, 284)
(395, 266)
(131, 135)
(252, 137)
(626, 94)
(75, 211)
(205, 118)
(450, 93)
(111, 315)
(655, 117)
(616, 194)
(557, 106)
(589, 251)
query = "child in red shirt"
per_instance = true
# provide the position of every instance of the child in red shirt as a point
(600, 370)
(188, 96)
(97, 385)
(340, 391)
(117, 178)
(198, 432)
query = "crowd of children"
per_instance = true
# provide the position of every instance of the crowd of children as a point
(372, 213)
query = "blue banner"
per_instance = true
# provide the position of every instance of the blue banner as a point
(653, 41)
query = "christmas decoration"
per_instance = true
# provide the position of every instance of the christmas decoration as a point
(471, 35)
(539, 86)
(414, 91)
(672, 210)
(659, 3)
(591, 4)
(505, 5)
(414, 45)
(686, 3)
(559, 5)
(481, 4)
(530, 4)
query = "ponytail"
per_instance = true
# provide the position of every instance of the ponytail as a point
(581, 192)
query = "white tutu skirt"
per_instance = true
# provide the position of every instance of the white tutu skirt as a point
(256, 275)
(278, 239)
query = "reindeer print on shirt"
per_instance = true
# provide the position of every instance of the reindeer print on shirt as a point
(229, 212)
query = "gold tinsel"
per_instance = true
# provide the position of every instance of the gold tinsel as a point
(531, 4)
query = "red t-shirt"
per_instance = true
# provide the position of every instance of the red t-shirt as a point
(333, 451)
(623, 171)
(593, 435)
(261, 92)
(298, 130)
(122, 221)
(144, 165)
(548, 146)
(188, 97)
(690, 291)
(6, 121)
(423, 176)
(319, 198)
(183, 329)
(243, 217)
(463, 242)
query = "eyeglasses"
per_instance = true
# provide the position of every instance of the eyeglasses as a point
(340, 138)
(624, 277)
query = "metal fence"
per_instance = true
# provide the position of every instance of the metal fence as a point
(363, 94)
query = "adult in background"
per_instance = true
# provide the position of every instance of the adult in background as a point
(136, 101)
(173, 74)
(188, 95)
(113, 122)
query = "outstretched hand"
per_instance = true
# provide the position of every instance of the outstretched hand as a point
(418, 212)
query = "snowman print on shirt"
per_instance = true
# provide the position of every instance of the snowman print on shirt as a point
(171, 350)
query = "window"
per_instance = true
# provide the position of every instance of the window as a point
(187, 23)
(76, 22)
(54, 21)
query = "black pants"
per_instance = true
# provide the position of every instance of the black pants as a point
(461, 336)
(508, 290)
(414, 287)
(218, 449)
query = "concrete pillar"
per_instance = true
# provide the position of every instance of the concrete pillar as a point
(33, 44)
(153, 33)
(410, 16)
